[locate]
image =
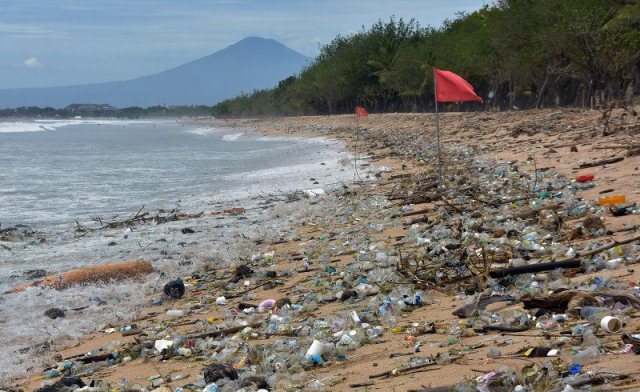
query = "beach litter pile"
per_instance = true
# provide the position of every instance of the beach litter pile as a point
(506, 279)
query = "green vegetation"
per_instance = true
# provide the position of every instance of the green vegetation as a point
(529, 53)
(133, 112)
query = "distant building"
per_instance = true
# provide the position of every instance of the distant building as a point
(90, 107)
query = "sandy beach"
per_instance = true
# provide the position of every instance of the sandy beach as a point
(391, 234)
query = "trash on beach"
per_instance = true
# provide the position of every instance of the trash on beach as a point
(54, 313)
(174, 289)
(162, 345)
(313, 193)
(507, 261)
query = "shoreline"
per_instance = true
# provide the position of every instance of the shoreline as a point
(215, 237)
(372, 222)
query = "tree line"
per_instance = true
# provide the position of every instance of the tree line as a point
(133, 112)
(516, 53)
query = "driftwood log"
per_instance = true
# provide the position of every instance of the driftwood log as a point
(94, 273)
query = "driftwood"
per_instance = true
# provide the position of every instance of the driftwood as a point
(395, 355)
(531, 268)
(362, 384)
(570, 262)
(84, 358)
(401, 371)
(6, 230)
(573, 300)
(95, 273)
(95, 358)
(469, 310)
(240, 294)
(223, 331)
(602, 248)
(562, 263)
(141, 218)
(447, 388)
(616, 147)
(502, 328)
(161, 217)
(532, 213)
(422, 219)
(600, 162)
(417, 212)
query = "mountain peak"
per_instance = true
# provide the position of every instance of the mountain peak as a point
(251, 44)
(255, 39)
(252, 63)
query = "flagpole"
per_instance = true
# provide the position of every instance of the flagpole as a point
(435, 92)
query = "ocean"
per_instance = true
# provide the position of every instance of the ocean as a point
(58, 175)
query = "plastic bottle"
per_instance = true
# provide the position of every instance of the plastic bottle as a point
(175, 313)
(211, 388)
(584, 178)
(546, 322)
(589, 355)
(577, 330)
(417, 299)
(589, 339)
(613, 199)
(374, 332)
(594, 313)
(52, 373)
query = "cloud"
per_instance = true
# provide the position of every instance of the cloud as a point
(25, 29)
(32, 63)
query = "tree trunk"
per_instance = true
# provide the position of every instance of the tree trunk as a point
(541, 93)
(512, 93)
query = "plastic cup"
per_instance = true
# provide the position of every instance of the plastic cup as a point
(611, 324)
(316, 349)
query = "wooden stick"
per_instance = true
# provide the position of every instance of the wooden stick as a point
(529, 213)
(447, 388)
(394, 355)
(417, 212)
(615, 147)
(362, 384)
(600, 162)
(601, 249)
(537, 267)
(624, 387)
(400, 371)
(240, 294)
(224, 331)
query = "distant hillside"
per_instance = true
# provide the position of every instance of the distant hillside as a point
(253, 63)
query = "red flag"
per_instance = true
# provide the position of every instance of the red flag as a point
(361, 112)
(452, 88)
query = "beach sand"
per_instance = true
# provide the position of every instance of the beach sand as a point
(554, 140)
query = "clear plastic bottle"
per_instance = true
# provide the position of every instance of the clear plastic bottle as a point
(594, 313)
(589, 355)
(175, 313)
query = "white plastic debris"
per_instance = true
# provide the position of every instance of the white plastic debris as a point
(162, 344)
(313, 193)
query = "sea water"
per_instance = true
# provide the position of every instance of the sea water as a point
(56, 176)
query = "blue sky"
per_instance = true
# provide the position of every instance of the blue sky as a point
(64, 42)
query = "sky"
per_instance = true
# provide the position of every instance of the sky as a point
(47, 43)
